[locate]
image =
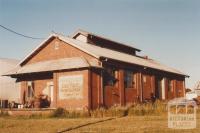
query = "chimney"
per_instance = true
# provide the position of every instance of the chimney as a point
(146, 57)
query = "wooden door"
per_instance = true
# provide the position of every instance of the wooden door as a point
(146, 86)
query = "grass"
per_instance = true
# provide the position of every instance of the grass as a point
(48, 125)
(142, 118)
(141, 124)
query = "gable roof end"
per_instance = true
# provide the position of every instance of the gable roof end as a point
(99, 52)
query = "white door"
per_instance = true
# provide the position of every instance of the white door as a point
(163, 89)
(51, 92)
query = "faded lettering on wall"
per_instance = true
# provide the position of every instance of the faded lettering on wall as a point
(71, 87)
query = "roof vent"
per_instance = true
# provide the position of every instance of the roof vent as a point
(81, 38)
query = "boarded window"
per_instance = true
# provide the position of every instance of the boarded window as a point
(129, 79)
(169, 83)
(110, 76)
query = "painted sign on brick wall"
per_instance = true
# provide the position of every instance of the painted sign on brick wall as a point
(71, 87)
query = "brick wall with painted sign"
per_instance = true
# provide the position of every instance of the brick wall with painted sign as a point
(71, 87)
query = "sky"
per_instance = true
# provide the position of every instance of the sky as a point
(165, 30)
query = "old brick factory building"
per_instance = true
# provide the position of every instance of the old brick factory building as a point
(85, 70)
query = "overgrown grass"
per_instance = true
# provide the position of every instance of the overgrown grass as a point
(140, 109)
(145, 117)
(3, 113)
(111, 112)
(156, 108)
(62, 113)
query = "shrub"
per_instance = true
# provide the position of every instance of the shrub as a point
(98, 113)
(59, 112)
(115, 111)
(156, 108)
(3, 113)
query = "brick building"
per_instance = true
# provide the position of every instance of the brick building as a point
(87, 71)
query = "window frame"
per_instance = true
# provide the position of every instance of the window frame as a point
(110, 76)
(130, 79)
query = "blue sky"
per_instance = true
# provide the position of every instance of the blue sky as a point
(165, 30)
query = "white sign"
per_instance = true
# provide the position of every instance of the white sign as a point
(182, 114)
(71, 87)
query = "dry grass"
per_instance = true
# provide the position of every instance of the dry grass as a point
(128, 124)
(136, 124)
(16, 125)
(140, 118)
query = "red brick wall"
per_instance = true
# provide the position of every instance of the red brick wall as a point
(40, 85)
(96, 90)
(23, 89)
(72, 103)
(48, 52)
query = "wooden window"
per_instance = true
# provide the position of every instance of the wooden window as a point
(110, 76)
(130, 79)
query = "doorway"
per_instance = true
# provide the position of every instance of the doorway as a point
(160, 88)
(51, 88)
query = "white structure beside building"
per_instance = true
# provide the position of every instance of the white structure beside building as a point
(197, 88)
(9, 89)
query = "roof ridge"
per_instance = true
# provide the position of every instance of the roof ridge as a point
(103, 37)
(98, 52)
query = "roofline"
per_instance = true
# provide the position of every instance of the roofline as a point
(86, 33)
(36, 48)
(187, 76)
(53, 70)
(46, 40)
(62, 38)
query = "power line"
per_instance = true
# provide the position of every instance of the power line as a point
(19, 33)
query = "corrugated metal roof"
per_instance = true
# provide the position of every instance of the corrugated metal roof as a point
(112, 54)
(98, 52)
(86, 33)
(53, 65)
